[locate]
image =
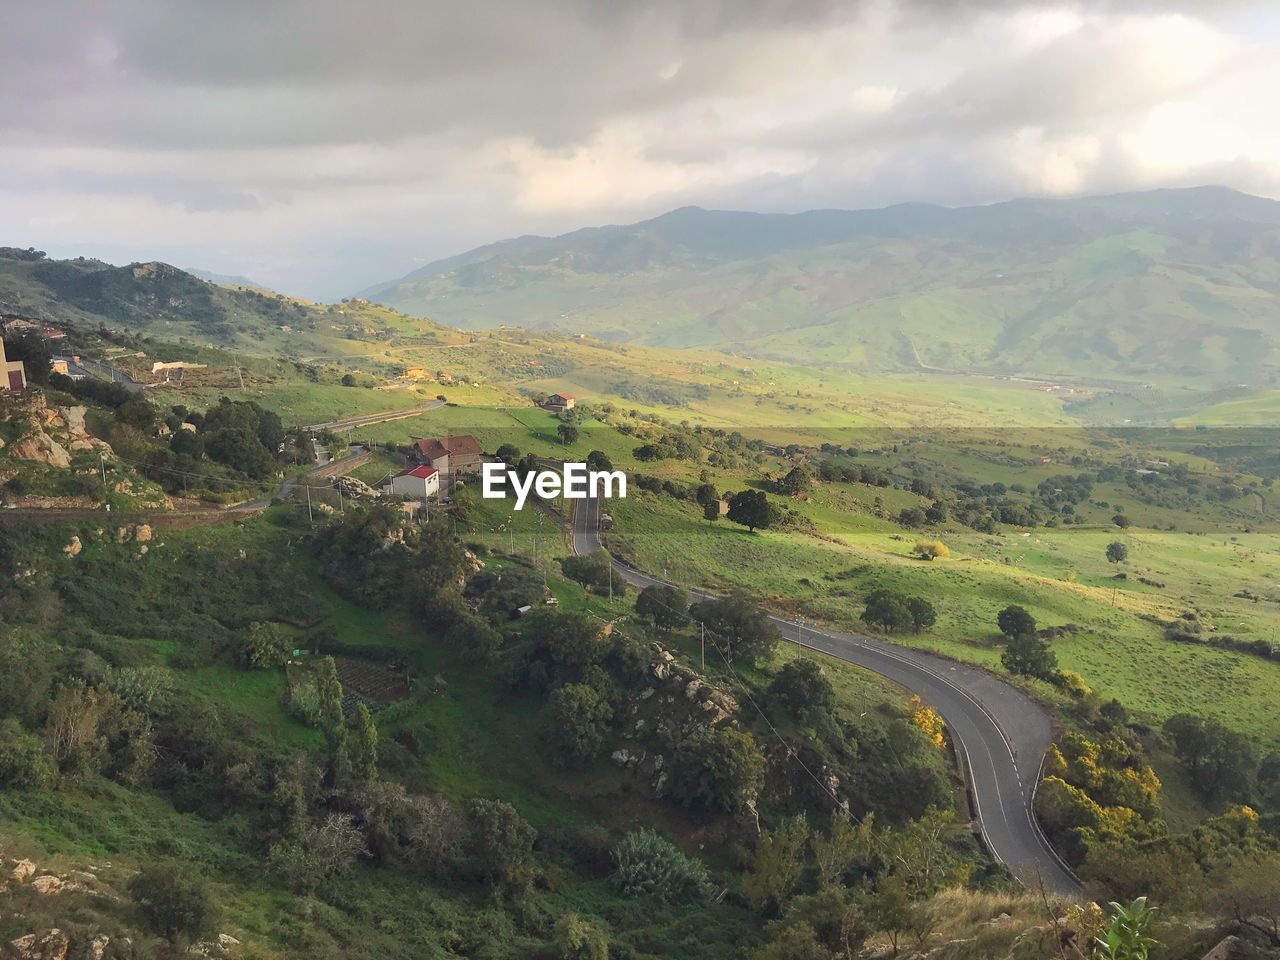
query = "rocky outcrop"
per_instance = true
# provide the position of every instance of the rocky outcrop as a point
(51, 945)
(51, 435)
(357, 489)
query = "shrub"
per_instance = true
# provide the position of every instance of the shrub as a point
(175, 900)
(803, 689)
(931, 550)
(651, 866)
(578, 938)
(24, 761)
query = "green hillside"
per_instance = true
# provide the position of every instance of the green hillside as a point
(1163, 286)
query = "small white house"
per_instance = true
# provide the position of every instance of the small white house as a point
(420, 483)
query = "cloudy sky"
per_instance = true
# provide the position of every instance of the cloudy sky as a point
(319, 146)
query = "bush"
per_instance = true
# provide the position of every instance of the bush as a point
(501, 840)
(24, 761)
(578, 938)
(803, 689)
(931, 550)
(175, 900)
(650, 866)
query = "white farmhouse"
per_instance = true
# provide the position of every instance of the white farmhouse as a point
(418, 483)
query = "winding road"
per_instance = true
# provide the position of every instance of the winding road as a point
(1000, 734)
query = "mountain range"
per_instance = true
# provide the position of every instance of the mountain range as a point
(1167, 285)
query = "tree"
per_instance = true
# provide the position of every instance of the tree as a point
(937, 513)
(835, 851)
(751, 509)
(1015, 621)
(267, 645)
(579, 721)
(564, 645)
(501, 840)
(796, 481)
(931, 550)
(923, 616)
(794, 941)
(598, 461)
(803, 689)
(508, 453)
(911, 517)
(737, 627)
(329, 713)
(579, 938)
(666, 607)
(706, 494)
(1117, 552)
(649, 866)
(24, 761)
(1222, 763)
(888, 610)
(890, 910)
(717, 770)
(364, 746)
(592, 571)
(711, 511)
(175, 900)
(1121, 521)
(1029, 655)
(317, 851)
(568, 432)
(777, 865)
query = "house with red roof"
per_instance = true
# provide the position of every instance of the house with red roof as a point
(559, 402)
(416, 483)
(452, 455)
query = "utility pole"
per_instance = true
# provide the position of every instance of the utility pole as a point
(310, 518)
(704, 645)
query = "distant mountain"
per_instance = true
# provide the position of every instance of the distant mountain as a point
(226, 279)
(1168, 284)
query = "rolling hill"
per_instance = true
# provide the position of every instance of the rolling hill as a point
(1168, 286)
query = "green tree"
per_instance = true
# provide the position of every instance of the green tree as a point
(501, 841)
(717, 770)
(1014, 621)
(175, 900)
(803, 689)
(777, 865)
(1117, 552)
(706, 494)
(329, 713)
(579, 721)
(267, 645)
(796, 481)
(24, 760)
(737, 627)
(751, 509)
(890, 910)
(667, 608)
(1121, 521)
(649, 866)
(364, 746)
(889, 611)
(568, 432)
(596, 460)
(711, 511)
(578, 938)
(923, 616)
(1029, 655)
(835, 851)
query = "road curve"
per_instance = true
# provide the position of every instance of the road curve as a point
(1000, 733)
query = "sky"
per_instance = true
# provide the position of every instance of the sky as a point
(321, 146)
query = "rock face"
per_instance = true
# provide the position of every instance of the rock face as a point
(51, 434)
(52, 945)
(357, 489)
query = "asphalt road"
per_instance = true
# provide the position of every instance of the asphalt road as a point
(1000, 734)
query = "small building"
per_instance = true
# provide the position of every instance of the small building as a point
(417, 483)
(560, 401)
(453, 455)
(13, 375)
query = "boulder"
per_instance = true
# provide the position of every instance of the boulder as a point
(42, 448)
(47, 885)
(142, 532)
(22, 870)
(73, 547)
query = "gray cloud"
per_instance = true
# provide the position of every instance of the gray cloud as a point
(323, 145)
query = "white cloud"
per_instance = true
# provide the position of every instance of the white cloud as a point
(320, 146)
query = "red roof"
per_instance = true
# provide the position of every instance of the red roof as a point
(420, 472)
(562, 396)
